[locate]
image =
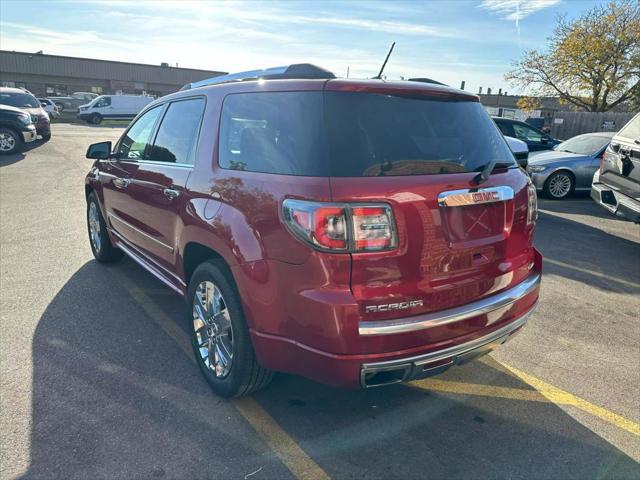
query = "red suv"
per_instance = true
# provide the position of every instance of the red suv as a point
(357, 232)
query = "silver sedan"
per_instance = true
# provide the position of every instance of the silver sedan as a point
(569, 166)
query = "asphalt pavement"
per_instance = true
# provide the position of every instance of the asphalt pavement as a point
(97, 380)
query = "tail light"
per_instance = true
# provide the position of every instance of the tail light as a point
(532, 204)
(341, 227)
(608, 157)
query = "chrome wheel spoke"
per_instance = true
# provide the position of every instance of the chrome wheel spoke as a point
(213, 329)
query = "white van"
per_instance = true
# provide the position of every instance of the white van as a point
(113, 107)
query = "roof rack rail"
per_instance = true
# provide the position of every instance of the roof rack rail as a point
(427, 80)
(295, 71)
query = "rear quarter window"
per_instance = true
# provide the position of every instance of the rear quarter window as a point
(273, 132)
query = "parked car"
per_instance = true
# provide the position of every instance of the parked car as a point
(520, 151)
(73, 101)
(357, 232)
(569, 166)
(16, 97)
(49, 107)
(534, 138)
(16, 129)
(616, 184)
(113, 107)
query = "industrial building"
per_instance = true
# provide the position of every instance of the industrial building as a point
(55, 75)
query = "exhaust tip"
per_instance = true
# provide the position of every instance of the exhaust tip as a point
(386, 376)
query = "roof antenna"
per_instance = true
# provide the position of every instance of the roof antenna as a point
(379, 76)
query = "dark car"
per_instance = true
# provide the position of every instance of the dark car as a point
(18, 98)
(616, 184)
(534, 138)
(16, 129)
(357, 232)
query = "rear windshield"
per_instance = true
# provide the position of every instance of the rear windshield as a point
(348, 134)
(632, 129)
(374, 134)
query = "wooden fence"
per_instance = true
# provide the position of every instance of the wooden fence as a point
(569, 124)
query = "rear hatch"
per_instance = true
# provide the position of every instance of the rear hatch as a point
(419, 151)
(620, 167)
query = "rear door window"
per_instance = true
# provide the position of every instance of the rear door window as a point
(273, 132)
(178, 133)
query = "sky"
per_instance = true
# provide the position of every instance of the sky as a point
(447, 40)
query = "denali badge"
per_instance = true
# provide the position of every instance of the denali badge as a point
(388, 307)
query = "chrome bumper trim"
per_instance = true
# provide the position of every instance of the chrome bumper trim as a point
(443, 317)
(418, 366)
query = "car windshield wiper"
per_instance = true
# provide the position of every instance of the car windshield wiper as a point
(484, 174)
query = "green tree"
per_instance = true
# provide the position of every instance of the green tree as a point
(592, 62)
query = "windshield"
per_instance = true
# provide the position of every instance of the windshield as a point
(584, 144)
(19, 100)
(375, 135)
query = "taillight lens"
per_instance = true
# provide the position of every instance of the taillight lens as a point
(608, 158)
(532, 204)
(341, 227)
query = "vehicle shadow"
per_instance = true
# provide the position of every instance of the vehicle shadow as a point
(602, 260)
(580, 204)
(116, 396)
(6, 160)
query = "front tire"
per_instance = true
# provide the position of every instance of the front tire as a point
(101, 246)
(95, 119)
(10, 141)
(559, 185)
(219, 334)
(60, 107)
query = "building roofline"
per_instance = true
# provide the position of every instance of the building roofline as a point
(111, 61)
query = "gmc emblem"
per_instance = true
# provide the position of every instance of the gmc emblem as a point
(389, 307)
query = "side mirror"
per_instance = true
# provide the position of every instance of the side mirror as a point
(99, 151)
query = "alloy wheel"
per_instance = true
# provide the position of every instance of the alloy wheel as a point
(212, 328)
(94, 227)
(560, 185)
(7, 142)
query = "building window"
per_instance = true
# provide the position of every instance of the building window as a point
(96, 89)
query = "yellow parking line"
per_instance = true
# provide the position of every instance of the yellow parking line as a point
(283, 445)
(559, 396)
(296, 460)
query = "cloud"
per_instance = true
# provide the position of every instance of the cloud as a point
(516, 9)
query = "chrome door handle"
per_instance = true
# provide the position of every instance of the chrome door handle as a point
(121, 182)
(170, 193)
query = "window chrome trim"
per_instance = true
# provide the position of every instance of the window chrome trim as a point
(443, 317)
(479, 196)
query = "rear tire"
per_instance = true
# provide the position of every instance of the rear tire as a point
(95, 119)
(10, 141)
(559, 185)
(101, 246)
(218, 328)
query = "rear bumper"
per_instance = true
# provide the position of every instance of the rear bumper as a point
(616, 202)
(422, 366)
(501, 315)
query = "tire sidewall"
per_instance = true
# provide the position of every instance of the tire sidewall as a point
(96, 119)
(230, 385)
(17, 140)
(105, 241)
(547, 190)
